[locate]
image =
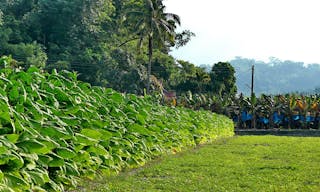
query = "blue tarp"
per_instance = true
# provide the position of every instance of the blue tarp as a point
(277, 118)
(310, 119)
(264, 120)
(245, 116)
(296, 117)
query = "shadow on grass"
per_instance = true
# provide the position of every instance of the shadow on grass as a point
(280, 132)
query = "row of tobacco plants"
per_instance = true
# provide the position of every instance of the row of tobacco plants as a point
(55, 129)
(290, 111)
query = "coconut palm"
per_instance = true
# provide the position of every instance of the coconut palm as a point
(154, 27)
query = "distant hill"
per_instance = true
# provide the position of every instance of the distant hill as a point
(276, 76)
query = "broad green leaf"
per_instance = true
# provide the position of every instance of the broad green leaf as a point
(106, 135)
(52, 186)
(117, 97)
(12, 161)
(3, 149)
(38, 177)
(65, 152)
(15, 162)
(5, 116)
(54, 132)
(61, 96)
(45, 159)
(92, 133)
(38, 189)
(98, 150)
(32, 69)
(14, 93)
(82, 156)
(33, 146)
(72, 169)
(12, 137)
(138, 129)
(16, 182)
(84, 140)
(49, 143)
(72, 110)
(56, 161)
(141, 119)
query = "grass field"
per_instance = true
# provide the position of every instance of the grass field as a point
(243, 163)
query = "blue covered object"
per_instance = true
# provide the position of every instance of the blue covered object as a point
(263, 120)
(245, 116)
(295, 117)
(310, 119)
(277, 118)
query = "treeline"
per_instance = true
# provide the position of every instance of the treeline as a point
(112, 43)
(277, 76)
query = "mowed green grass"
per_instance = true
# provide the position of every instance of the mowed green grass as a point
(243, 163)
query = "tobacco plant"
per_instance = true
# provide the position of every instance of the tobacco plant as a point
(55, 129)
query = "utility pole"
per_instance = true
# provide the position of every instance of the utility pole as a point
(252, 79)
(253, 121)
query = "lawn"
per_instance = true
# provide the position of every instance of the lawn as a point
(243, 163)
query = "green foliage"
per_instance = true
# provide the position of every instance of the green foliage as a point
(223, 79)
(288, 111)
(191, 78)
(54, 128)
(183, 38)
(7, 61)
(153, 26)
(98, 39)
(28, 54)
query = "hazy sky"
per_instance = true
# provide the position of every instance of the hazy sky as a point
(259, 29)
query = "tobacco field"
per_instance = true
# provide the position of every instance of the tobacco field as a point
(55, 129)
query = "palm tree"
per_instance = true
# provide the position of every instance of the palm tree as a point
(152, 25)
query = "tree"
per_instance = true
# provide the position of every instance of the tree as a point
(223, 79)
(192, 78)
(183, 38)
(156, 27)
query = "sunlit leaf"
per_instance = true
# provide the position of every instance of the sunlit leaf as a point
(65, 152)
(92, 133)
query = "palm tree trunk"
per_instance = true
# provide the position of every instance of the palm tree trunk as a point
(150, 47)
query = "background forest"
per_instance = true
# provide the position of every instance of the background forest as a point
(109, 43)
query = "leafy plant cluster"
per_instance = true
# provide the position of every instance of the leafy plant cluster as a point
(54, 129)
(281, 111)
(290, 111)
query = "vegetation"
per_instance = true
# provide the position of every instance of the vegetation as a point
(109, 43)
(246, 163)
(156, 26)
(223, 79)
(288, 111)
(282, 111)
(55, 128)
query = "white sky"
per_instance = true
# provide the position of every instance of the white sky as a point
(259, 29)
